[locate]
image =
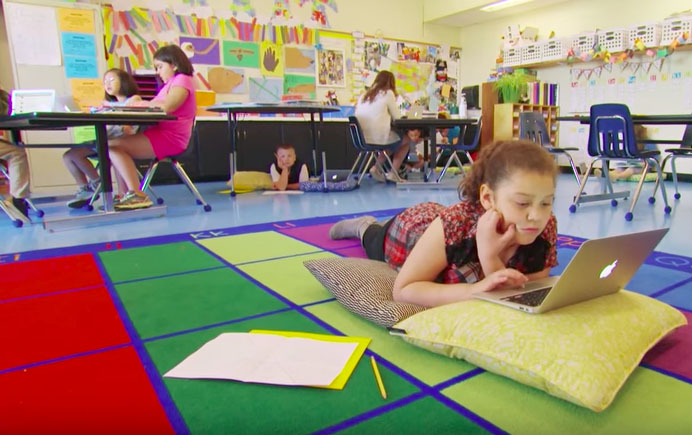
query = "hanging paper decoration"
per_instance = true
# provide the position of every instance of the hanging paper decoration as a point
(319, 10)
(281, 9)
(239, 6)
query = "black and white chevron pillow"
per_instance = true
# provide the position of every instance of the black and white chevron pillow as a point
(364, 287)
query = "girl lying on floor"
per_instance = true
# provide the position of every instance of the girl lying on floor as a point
(501, 234)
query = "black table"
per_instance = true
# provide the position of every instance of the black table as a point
(431, 125)
(233, 110)
(61, 121)
(643, 119)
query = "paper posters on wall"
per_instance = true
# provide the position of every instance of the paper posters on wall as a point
(271, 60)
(265, 89)
(78, 44)
(87, 92)
(299, 60)
(241, 54)
(302, 86)
(375, 52)
(81, 67)
(76, 20)
(227, 80)
(201, 50)
(331, 67)
(200, 77)
(33, 33)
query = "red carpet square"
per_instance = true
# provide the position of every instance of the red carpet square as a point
(39, 329)
(103, 393)
(28, 278)
(674, 353)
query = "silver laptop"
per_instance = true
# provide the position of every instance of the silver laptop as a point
(32, 100)
(66, 103)
(600, 267)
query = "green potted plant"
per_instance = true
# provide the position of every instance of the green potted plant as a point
(511, 86)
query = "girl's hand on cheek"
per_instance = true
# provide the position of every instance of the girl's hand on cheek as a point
(491, 236)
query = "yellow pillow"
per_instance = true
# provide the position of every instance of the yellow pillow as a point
(246, 181)
(583, 353)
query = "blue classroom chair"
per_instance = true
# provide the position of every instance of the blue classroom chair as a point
(611, 137)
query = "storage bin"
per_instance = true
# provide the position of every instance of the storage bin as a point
(554, 49)
(672, 28)
(614, 39)
(650, 34)
(511, 56)
(584, 42)
(531, 53)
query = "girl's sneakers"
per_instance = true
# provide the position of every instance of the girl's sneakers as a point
(133, 200)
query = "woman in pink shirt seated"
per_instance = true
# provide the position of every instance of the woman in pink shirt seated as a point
(167, 138)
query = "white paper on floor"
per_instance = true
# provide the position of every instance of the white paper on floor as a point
(266, 358)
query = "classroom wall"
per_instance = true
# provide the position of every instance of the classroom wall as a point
(649, 90)
(481, 42)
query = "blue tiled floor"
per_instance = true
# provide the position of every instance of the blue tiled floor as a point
(591, 220)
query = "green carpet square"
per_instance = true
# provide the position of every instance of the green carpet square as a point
(429, 367)
(219, 406)
(244, 248)
(176, 303)
(425, 415)
(290, 278)
(156, 260)
(649, 402)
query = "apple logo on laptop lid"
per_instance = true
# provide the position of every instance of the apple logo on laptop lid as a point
(605, 273)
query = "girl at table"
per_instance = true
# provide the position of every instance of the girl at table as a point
(501, 234)
(375, 111)
(120, 88)
(167, 138)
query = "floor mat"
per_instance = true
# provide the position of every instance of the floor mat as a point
(92, 329)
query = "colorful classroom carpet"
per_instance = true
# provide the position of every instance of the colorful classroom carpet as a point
(88, 331)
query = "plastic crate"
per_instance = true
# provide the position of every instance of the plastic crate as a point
(650, 34)
(672, 28)
(532, 53)
(511, 56)
(554, 49)
(584, 42)
(614, 39)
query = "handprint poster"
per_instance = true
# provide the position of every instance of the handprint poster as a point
(271, 60)
(331, 67)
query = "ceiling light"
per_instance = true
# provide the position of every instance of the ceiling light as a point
(502, 4)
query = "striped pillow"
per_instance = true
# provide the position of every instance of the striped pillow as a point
(364, 287)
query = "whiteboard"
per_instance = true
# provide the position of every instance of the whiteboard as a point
(48, 173)
(646, 89)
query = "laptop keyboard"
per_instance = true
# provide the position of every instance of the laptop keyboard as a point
(531, 299)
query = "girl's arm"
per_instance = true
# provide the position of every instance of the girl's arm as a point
(174, 99)
(415, 281)
(392, 108)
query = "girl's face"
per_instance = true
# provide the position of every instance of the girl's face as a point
(286, 157)
(165, 70)
(525, 199)
(111, 84)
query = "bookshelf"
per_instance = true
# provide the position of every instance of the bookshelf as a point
(506, 120)
(148, 85)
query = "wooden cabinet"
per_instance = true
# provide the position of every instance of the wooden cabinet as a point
(506, 120)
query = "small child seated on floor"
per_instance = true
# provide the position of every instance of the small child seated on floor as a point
(414, 160)
(287, 171)
(624, 170)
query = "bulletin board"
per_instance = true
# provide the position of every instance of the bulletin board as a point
(55, 45)
(250, 61)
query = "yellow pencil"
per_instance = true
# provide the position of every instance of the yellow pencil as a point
(378, 378)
